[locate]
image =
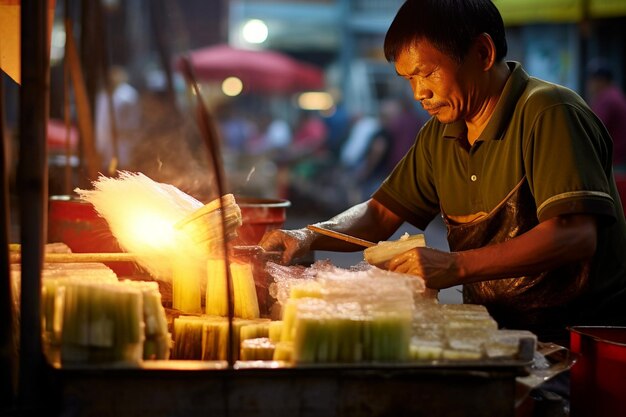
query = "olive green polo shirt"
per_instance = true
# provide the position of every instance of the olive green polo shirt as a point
(539, 130)
(541, 133)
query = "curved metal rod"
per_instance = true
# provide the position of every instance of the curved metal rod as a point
(210, 135)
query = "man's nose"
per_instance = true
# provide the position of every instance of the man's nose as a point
(420, 92)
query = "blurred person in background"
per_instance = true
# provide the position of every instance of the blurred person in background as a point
(404, 127)
(127, 116)
(607, 100)
(338, 122)
(520, 170)
(236, 129)
(274, 135)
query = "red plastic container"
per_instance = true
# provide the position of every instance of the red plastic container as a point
(260, 215)
(76, 223)
(598, 378)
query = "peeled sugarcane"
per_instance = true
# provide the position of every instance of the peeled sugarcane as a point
(157, 338)
(246, 301)
(102, 322)
(383, 252)
(275, 330)
(187, 274)
(205, 224)
(246, 304)
(188, 335)
(258, 349)
(283, 351)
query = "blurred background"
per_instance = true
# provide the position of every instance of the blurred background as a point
(305, 106)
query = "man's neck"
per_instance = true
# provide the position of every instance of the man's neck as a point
(496, 79)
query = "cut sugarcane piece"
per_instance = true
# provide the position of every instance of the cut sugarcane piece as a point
(259, 349)
(275, 330)
(467, 339)
(520, 344)
(425, 350)
(382, 253)
(306, 289)
(289, 319)
(256, 329)
(246, 301)
(460, 355)
(283, 351)
(188, 336)
(187, 275)
(216, 303)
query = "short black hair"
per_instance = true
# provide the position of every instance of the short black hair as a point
(450, 25)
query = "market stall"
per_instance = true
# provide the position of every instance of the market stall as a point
(98, 339)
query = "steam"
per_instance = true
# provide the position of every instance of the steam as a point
(141, 214)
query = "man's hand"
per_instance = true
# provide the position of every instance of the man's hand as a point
(293, 243)
(438, 269)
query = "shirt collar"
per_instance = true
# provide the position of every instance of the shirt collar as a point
(515, 85)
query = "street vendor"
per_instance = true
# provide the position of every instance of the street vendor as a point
(519, 168)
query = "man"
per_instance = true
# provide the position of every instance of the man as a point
(519, 168)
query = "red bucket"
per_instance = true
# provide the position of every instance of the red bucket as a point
(260, 215)
(598, 377)
(76, 223)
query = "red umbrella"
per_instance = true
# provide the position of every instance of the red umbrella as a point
(260, 71)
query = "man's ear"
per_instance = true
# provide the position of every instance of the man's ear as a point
(485, 51)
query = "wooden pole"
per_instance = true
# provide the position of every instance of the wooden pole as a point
(80, 257)
(32, 185)
(8, 354)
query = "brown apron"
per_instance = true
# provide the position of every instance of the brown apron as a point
(541, 303)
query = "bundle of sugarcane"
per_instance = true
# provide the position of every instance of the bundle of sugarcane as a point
(245, 301)
(102, 323)
(157, 337)
(203, 226)
(53, 290)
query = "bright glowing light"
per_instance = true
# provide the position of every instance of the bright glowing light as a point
(151, 229)
(232, 86)
(315, 100)
(255, 31)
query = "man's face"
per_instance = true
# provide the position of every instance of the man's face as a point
(445, 88)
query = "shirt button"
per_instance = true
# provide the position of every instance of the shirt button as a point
(473, 178)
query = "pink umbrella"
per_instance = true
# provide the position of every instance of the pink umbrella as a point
(260, 71)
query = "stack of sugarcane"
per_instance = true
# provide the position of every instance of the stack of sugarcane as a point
(89, 316)
(453, 332)
(55, 279)
(344, 316)
(206, 337)
(101, 323)
(157, 338)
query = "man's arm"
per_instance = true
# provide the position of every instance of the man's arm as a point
(369, 220)
(550, 244)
